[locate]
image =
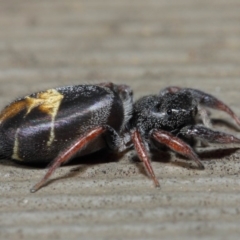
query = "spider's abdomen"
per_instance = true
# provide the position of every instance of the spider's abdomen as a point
(39, 126)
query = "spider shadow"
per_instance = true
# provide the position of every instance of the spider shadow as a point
(204, 156)
(156, 156)
(88, 161)
(181, 161)
(100, 157)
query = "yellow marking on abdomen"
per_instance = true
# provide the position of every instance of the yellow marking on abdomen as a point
(12, 110)
(47, 102)
(16, 147)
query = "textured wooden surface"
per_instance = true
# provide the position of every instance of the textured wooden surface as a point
(148, 45)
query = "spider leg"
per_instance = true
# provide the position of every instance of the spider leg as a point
(210, 101)
(176, 144)
(172, 89)
(116, 142)
(206, 134)
(142, 152)
(68, 153)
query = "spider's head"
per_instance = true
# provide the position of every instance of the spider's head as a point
(169, 112)
(177, 109)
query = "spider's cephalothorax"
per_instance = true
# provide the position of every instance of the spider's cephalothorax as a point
(170, 119)
(169, 113)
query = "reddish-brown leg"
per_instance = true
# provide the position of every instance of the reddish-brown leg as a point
(143, 155)
(177, 145)
(208, 100)
(64, 156)
(172, 89)
(221, 106)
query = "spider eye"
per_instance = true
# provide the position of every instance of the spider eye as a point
(169, 111)
(158, 106)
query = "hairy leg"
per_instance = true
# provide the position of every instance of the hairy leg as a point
(67, 154)
(176, 144)
(210, 101)
(206, 134)
(143, 155)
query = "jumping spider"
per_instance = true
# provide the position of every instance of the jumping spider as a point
(59, 124)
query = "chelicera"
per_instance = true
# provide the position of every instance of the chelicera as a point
(59, 124)
(170, 119)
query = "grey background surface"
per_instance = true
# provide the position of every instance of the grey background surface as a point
(148, 45)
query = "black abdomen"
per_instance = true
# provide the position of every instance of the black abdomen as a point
(39, 126)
